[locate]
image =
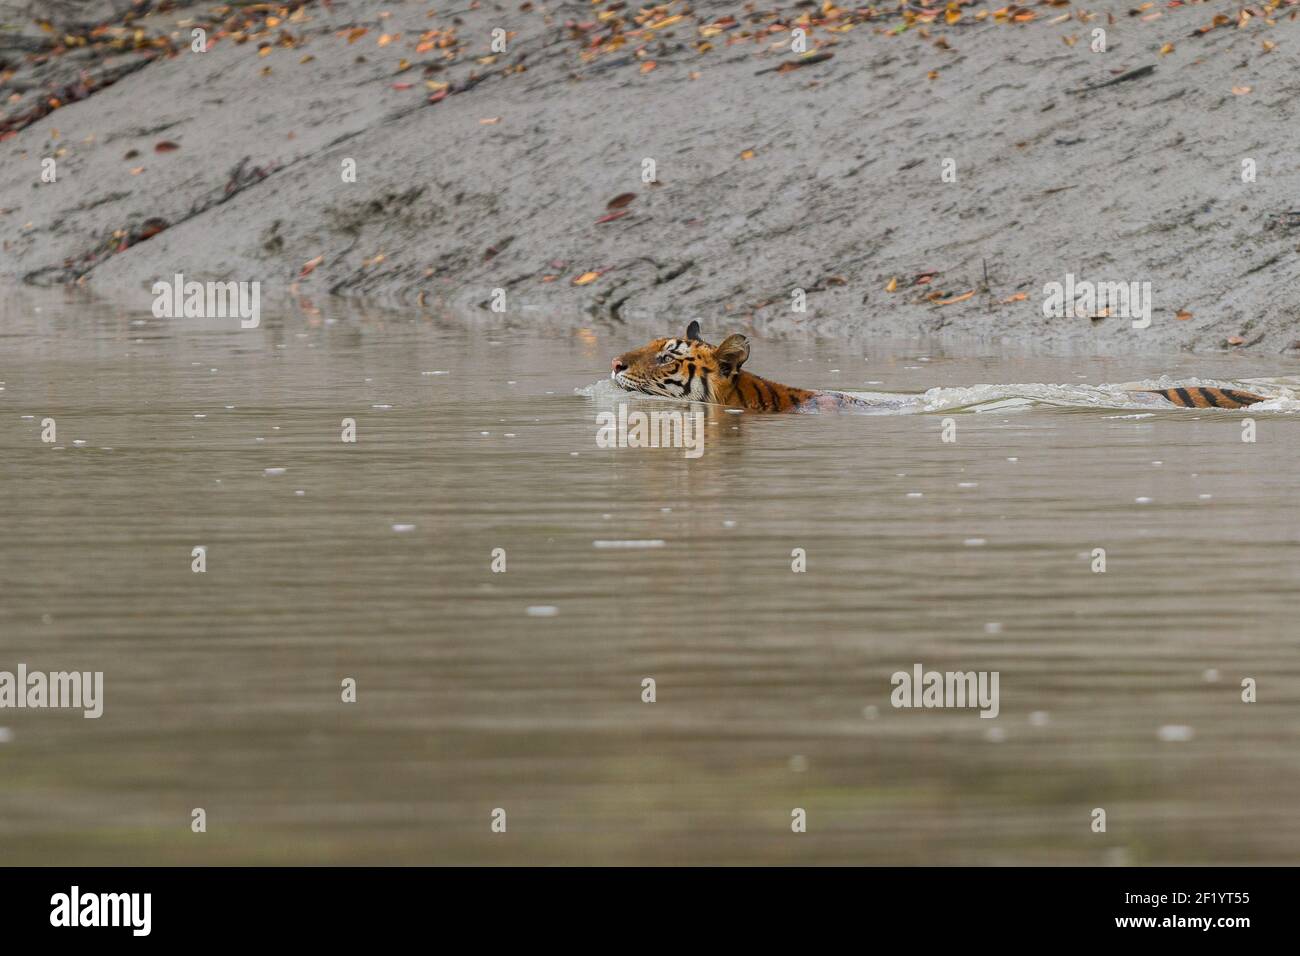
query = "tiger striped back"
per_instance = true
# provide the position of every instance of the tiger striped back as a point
(1198, 396)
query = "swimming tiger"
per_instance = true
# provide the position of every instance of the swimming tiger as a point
(690, 368)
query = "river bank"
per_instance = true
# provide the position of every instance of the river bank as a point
(917, 171)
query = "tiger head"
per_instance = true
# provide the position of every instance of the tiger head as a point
(687, 367)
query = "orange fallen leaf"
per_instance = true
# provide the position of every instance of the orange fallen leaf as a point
(1240, 90)
(666, 22)
(357, 33)
(402, 86)
(893, 285)
(808, 59)
(137, 171)
(1183, 315)
(1166, 49)
(648, 65)
(310, 265)
(489, 120)
(1235, 340)
(958, 298)
(1018, 297)
(747, 154)
(586, 277)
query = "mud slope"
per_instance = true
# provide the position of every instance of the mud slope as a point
(477, 171)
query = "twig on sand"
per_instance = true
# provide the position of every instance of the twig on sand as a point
(789, 65)
(1137, 74)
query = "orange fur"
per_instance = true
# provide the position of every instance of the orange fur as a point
(690, 368)
(1196, 396)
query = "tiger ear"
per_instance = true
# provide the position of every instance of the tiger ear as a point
(693, 332)
(732, 354)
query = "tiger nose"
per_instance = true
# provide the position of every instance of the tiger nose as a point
(617, 366)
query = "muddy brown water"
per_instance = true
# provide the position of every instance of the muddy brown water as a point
(372, 561)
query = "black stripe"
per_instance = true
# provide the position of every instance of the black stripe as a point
(1209, 396)
(776, 405)
(1240, 397)
(690, 377)
(1185, 398)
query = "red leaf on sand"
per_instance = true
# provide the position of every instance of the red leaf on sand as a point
(166, 146)
(612, 216)
(151, 227)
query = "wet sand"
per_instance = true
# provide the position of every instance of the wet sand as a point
(826, 178)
